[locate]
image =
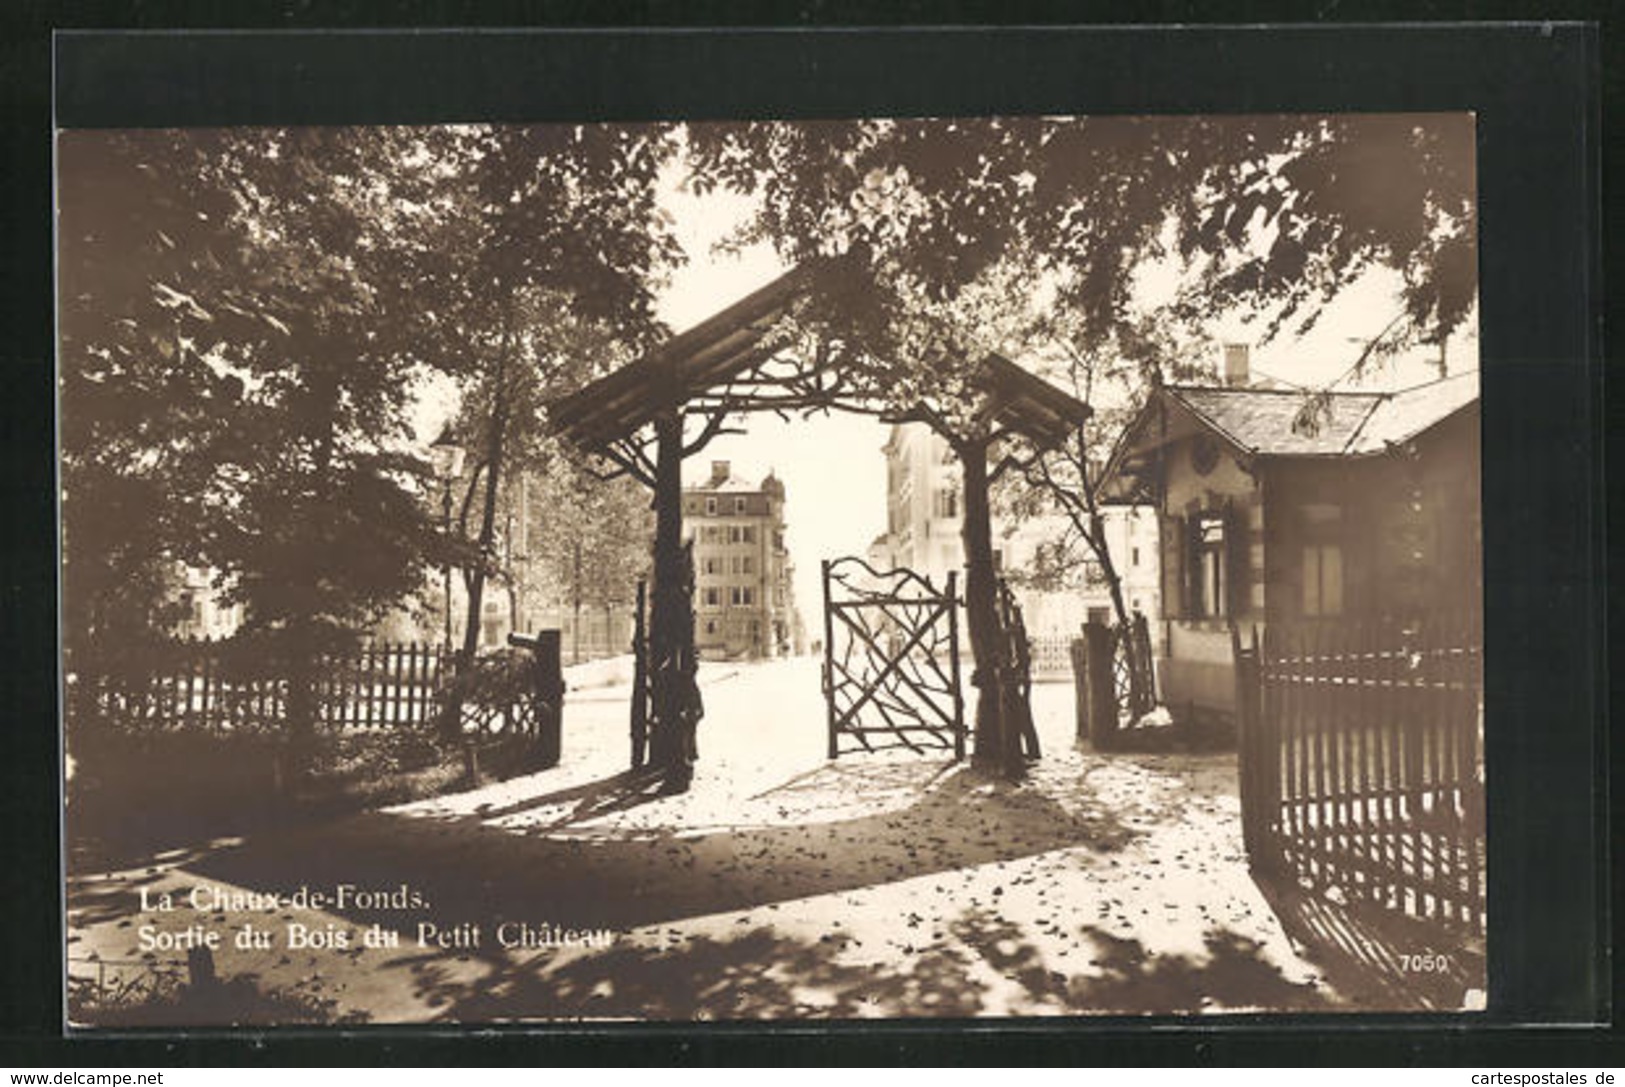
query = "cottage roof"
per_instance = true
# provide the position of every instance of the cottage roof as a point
(1267, 421)
(1258, 422)
(1403, 415)
(1295, 423)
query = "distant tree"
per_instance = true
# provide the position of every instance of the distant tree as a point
(1068, 478)
(591, 537)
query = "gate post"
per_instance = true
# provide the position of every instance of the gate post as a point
(640, 681)
(953, 664)
(549, 696)
(1247, 741)
(547, 692)
(829, 649)
(1079, 650)
(1256, 753)
(1098, 642)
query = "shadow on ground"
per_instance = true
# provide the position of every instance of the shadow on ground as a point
(595, 856)
(762, 974)
(1371, 954)
(558, 872)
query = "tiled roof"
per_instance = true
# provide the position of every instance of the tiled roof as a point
(1406, 414)
(1286, 423)
(728, 486)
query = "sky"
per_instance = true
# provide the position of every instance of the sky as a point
(833, 472)
(831, 465)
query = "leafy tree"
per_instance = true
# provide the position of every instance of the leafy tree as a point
(140, 408)
(546, 236)
(256, 334)
(1280, 212)
(591, 538)
(1277, 213)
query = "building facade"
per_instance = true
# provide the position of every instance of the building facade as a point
(1276, 507)
(744, 606)
(924, 516)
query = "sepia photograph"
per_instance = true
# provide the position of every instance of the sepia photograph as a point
(996, 567)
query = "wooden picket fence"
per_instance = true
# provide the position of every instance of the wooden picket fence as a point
(1361, 760)
(213, 685)
(1051, 657)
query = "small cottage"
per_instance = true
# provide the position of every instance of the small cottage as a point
(1279, 505)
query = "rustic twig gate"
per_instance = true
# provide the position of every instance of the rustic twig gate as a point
(891, 660)
(1361, 754)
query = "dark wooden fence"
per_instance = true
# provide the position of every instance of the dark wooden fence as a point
(210, 685)
(1361, 760)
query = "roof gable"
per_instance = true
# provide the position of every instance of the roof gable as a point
(1268, 422)
(1298, 423)
(1290, 422)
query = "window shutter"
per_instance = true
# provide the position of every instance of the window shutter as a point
(1193, 564)
(1172, 537)
(1238, 560)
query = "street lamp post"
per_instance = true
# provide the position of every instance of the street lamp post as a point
(448, 463)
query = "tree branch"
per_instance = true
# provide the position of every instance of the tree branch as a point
(627, 465)
(714, 428)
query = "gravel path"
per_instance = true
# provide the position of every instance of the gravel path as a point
(782, 885)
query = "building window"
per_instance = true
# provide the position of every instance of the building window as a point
(710, 507)
(1322, 580)
(710, 626)
(1322, 524)
(946, 502)
(1208, 566)
(1134, 556)
(739, 505)
(713, 597)
(740, 596)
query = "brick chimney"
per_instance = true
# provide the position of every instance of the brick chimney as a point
(1236, 366)
(719, 473)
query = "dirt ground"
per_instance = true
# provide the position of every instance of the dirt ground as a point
(783, 884)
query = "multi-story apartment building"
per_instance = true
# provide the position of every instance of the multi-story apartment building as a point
(923, 521)
(743, 601)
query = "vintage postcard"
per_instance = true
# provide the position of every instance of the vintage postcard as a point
(908, 568)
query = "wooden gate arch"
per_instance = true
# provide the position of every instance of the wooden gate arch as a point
(891, 660)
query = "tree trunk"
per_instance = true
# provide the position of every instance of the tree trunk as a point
(1108, 568)
(575, 600)
(303, 632)
(452, 722)
(998, 744)
(674, 689)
